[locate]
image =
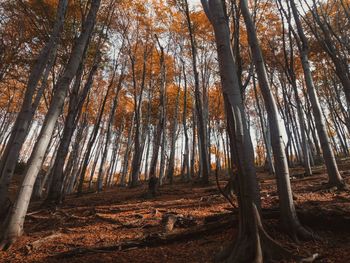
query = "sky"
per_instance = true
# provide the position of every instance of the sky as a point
(194, 2)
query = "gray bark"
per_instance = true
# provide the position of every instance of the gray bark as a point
(14, 226)
(289, 217)
(334, 176)
(30, 103)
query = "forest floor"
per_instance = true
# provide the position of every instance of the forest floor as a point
(123, 225)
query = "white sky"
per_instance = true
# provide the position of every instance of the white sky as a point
(194, 2)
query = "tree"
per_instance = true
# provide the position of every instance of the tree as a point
(30, 103)
(335, 178)
(15, 220)
(253, 243)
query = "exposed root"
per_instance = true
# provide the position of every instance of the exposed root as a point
(331, 187)
(259, 247)
(344, 187)
(298, 233)
(153, 240)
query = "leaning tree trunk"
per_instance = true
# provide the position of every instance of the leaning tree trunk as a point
(55, 194)
(264, 134)
(19, 132)
(340, 63)
(289, 217)
(101, 171)
(92, 140)
(14, 223)
(290, 71)
(253, 243)
(334, 176)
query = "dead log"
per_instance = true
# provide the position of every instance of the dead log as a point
(155, 239)
(36, 244)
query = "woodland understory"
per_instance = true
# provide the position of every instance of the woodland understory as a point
(175, 131)
(99, 227)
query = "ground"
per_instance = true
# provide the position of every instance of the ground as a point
(96, 226)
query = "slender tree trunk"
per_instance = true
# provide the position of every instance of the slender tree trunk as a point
(127, 154)
(202, 137)
(93, 139)
(335, 178)
(55, 194)
(137, 156)
(108, 135)
(266, 140)
(161, 124)
(170, 172)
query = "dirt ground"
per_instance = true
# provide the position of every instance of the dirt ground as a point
(96, 226)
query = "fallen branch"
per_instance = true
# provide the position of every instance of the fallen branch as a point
(71, 215)
(107, 219)
(36, 244)
(212, 224)
(37, 217)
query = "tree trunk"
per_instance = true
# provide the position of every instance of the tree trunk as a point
(252, 242)
(93, 139)
(266, 140)
(21, 126)
(55, 194)
(334, 176)
(170, 172)
(289, 217)
(202, 137)
(108, 135)
(14, 226)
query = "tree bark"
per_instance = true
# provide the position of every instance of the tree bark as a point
(289, 217)
(14, 224)
(21, 126)
(202, 136)
(334, 177)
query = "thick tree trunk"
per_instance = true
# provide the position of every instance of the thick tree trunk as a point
(14, 226)
(289, 217)
(20, 129)
(252, 242)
